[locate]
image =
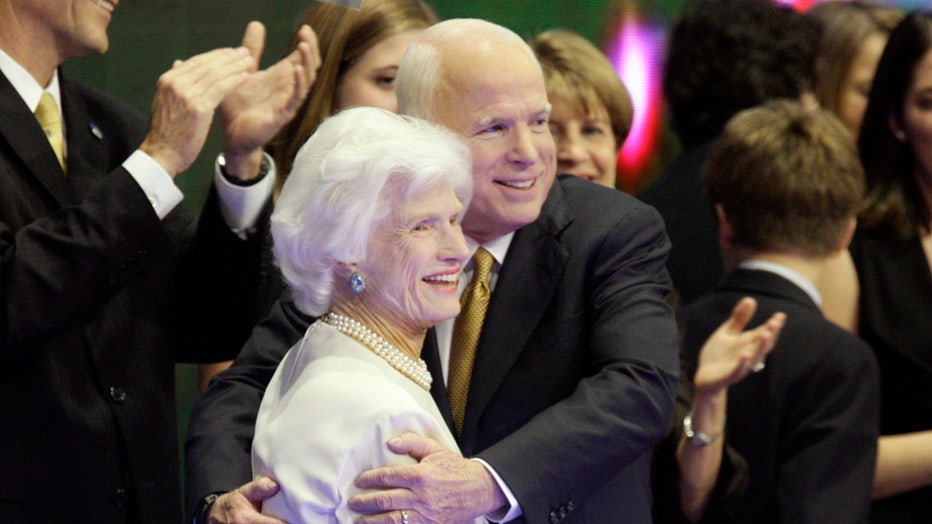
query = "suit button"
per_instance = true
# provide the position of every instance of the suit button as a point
(119, 498)
(117, 394)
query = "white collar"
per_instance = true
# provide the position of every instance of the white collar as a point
(498, 247)
(26, 85)
(788, 273)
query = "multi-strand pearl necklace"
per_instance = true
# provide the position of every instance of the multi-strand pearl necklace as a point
(415, 370)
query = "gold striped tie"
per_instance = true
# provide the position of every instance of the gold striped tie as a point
(466, 330)
(50, 119)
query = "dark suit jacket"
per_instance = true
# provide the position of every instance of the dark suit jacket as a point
(695, 262)
(895, 301)
(93, 285)
(574, 377)
(807, 424)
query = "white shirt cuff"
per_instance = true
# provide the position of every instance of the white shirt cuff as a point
(513, 509)
(240, 206)
(155, 182)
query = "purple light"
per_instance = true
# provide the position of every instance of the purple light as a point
(799, 5)
(636, 53)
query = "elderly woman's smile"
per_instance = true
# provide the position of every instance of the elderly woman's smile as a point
(415, 256)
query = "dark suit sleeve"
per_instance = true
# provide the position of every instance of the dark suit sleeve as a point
(219, 440)
(68, 248)
(829, 454)
(218, 294)
(616, 414)
(56, 272)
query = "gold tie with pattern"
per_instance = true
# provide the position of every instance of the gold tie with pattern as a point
(466, 330)
(50, 119)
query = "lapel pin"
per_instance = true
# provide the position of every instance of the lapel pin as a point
(96, 131)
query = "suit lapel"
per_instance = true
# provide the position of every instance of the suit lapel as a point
(431, 356)
(526, 284)
(25, 137)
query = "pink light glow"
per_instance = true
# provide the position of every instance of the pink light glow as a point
(799, 5)
(636, 53)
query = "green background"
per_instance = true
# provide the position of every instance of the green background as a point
(147, 35)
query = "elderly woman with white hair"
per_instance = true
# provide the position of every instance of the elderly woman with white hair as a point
(367, 235)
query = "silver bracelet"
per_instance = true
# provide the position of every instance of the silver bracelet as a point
(698, 438)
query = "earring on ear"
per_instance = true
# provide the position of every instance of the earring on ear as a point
(357, 282)
(900, 135)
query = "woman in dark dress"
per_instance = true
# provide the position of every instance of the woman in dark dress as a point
(892, 252)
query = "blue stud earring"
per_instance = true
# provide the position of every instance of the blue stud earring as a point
(357, 283)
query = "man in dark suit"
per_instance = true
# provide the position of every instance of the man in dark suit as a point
(97, 271)
(786, 183)
(576, 366)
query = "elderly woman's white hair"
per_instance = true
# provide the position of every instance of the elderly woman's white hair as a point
(334, 194)
(420, 72)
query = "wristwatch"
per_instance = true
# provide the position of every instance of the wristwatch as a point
(264, 168)
(202, 513)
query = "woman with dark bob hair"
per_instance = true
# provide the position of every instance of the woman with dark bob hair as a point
(367, 235)
(892, 251)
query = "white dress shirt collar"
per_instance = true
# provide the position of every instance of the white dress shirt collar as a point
(786, 272)
(497, 247)
(26, 85)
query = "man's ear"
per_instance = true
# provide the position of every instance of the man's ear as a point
(726, 233)
(846, 238)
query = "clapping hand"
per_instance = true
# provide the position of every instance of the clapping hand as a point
(268, 99)
(185, 100)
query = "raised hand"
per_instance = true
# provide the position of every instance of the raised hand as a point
(727, 357)
(730, 353)
(254, 112)
(185, 100)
